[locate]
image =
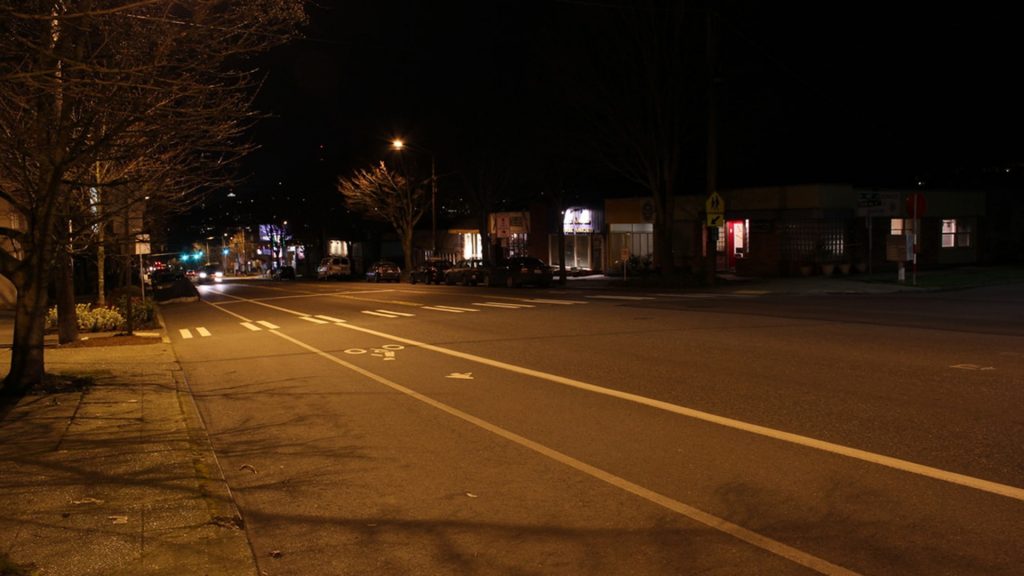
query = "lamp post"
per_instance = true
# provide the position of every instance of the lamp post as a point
(399, 145)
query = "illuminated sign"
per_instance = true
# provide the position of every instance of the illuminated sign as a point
(578, 221)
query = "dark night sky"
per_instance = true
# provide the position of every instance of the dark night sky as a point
(857, 92)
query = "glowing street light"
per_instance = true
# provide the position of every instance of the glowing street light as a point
(400, 145)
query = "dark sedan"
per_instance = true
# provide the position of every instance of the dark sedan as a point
(430, 272)
(384, 271)
(522, 271)
(469, 272)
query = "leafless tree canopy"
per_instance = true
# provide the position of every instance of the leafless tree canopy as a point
(382, 194)
(106, 104)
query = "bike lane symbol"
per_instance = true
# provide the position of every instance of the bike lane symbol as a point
(385, 351)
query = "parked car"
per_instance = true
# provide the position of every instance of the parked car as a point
(336, 267)
(521, 271)
(430, 272)
(210, 274)
(384, 271)
(283, 273)
(469, 272)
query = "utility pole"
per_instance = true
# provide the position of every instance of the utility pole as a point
(433, 207)
(712, 166)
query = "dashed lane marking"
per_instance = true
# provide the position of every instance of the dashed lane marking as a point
(313, 320)
(454, 308)
(381, 314)
(607, 297)
(503, 305)
(406, 314)
(185, 333)
(546, 301)
(203, 331)
(329, 318)
(251, 326)
(437, 309)
(269, 325)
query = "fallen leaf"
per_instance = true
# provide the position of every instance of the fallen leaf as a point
(118, 519)
(471, 495)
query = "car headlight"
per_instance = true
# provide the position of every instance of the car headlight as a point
(202, 274)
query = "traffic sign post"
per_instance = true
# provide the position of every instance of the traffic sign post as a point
(916, 207)
(714, 208)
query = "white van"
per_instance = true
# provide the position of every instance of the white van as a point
(336, 267)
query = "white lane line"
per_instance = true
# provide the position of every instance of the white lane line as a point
(546, 301)
(457, 308)
(503, 305)
(855, 453)
(800, 557)
(381, 314)
(406, 314)
(185, 334)
(313, 320)
(266, 324)
(863, 455)
(251, 326)
(329, 318)
(203, 331)
(437, 309)
(602, 297)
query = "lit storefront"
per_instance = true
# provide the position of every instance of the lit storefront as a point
(584, 245)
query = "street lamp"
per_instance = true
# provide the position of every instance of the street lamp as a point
(399, 145)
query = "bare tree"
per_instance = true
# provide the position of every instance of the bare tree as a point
(157, 93)
(640, 100)
(381, 194)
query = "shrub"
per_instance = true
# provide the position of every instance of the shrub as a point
(110, 318)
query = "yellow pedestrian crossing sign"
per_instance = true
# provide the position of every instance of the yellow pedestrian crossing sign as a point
(715, 209)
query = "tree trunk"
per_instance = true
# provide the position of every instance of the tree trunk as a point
(67, 318)
(664, 259)
(27, 366)
(407, 249)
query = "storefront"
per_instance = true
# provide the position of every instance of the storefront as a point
(584, 245)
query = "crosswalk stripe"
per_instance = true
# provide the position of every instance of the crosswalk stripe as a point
(444, 309)
(266, 324)
(251, 326)
(313, 320)
(457, 308)
(406, 314)
(329, 318)
(203, 331)
(185, 333)
(372, 313)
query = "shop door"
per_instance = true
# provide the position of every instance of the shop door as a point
(735, 241)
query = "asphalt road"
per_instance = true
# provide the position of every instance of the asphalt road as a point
(398, 429)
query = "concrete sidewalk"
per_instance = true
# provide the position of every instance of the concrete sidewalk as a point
(113, 474)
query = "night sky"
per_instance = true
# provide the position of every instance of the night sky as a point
(853, 92)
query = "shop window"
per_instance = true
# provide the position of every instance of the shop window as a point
(956, 234)
(900, 226)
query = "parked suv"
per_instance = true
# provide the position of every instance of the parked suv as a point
(336, 267)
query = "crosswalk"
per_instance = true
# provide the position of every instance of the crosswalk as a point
(319, 319)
